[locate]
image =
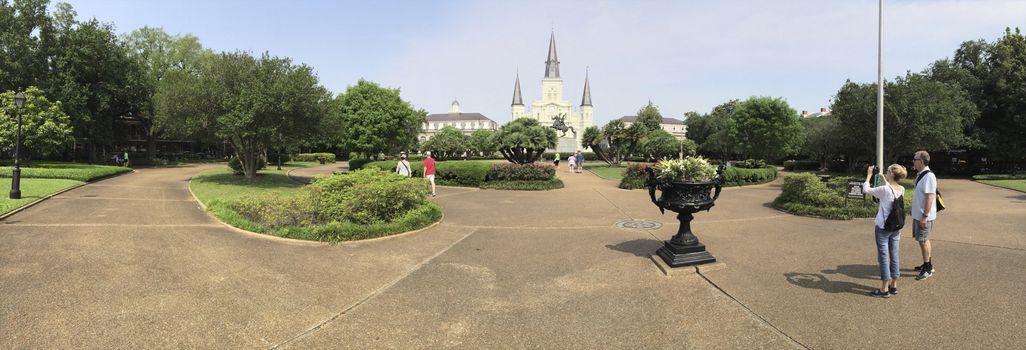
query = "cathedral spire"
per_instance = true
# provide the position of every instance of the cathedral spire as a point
(552, 63)
(517, 99)
(586, 99)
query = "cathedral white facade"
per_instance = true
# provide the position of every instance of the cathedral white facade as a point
(553, 105)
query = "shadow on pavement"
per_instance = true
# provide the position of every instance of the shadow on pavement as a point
(638, 247)
(819, 281)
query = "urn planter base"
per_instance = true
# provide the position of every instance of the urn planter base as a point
(679, 256)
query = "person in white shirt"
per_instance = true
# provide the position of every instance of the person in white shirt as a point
(887, 241)
(924, 211)
(403, 167)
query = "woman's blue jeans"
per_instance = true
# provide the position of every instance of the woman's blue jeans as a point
(887, 253)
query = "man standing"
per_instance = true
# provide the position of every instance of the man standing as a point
(924, 211)
(429, 171)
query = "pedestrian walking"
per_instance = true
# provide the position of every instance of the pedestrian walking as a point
(890, 218)
(403, 166)
(924, 211)
(580, 161)
(125, 160)
(571, 163)
(556, 160)
(429, 170)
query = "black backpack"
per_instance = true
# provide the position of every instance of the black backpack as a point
(896, 218)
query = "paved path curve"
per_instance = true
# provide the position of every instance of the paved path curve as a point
(132, 262)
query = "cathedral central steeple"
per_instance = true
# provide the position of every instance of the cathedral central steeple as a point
(552, 63)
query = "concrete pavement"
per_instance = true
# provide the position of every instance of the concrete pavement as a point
(133, 262)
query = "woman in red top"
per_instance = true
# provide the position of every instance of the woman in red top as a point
(429, 171)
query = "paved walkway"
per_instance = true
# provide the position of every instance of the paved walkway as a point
(133, 262)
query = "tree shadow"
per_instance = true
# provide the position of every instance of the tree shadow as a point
(821, 282)
(638, 247)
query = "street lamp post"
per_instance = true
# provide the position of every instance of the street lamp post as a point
(19, 101)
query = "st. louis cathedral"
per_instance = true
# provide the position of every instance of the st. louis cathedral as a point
(552, 106)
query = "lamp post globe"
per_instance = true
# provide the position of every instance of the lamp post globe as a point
(19, 102)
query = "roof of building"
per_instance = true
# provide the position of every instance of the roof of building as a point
(552, 63)
(517, 99)
(445, 117)
(632, 118)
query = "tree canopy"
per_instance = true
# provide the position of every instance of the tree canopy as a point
(448, 143)
(524, 140)
(766, 128)
(45, 127)
(375, 119)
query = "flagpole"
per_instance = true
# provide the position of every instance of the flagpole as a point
(880, 94)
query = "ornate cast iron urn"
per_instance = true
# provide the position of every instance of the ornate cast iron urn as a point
(685, 198)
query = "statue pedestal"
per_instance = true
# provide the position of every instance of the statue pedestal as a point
(567, 144)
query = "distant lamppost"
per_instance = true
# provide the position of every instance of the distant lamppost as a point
(19, 101)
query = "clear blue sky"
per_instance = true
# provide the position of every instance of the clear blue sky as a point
(683, 55)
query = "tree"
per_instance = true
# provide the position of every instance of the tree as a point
(649, 117)
(766, 128)
(251, 103)
(375, 120)
(524, 140)
(482, 141)
(45, 128)
(613, 142)
(158, 53)
(918, 114)
(96, 82)
(1004, 114)
(448, 143)
(660, 144)
(712, 131)
(821, 139)
(26, 37)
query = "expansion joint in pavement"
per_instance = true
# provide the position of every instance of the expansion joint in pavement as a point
(753, 313)
(373, 294)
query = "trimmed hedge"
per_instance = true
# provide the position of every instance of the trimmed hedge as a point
(521, 172)
(751, 164)
(564, 155)
(314, 157)
(60, 170)
(735, 176)
(362, 204)
(449, 173)
(522, 185)
(359, 163)
(804, 194)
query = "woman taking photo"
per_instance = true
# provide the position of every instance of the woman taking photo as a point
(888, 226)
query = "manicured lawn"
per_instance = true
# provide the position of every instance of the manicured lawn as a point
(221, 184)
(61, 170)
(1018, 185)
(31, 190)
(606, 171)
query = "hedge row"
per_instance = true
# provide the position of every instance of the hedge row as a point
(474, 173)
(805, 194)
(799, 165)
(315, 157)
(563, 156)
(521, 185)
(1000, 177)
(734, 176)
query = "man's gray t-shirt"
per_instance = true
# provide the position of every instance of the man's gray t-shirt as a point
(926, 185)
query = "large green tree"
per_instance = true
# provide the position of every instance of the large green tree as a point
(159, 53)
(919, 113)
(251, 103)
(766, 128)
(649, 117)
(45, 128)
(375, 119)
(660, 144)
(483, 141)
(1004, 113)
(448, 143)
(613, 142)
(821, 139)
(712, 131)
(523, 140)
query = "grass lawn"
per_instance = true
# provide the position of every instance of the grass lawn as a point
(62, 170)
(31, 190)
(606, 171)
(221, 184)
(1018, 185)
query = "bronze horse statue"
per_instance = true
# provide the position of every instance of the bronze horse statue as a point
(559, 123)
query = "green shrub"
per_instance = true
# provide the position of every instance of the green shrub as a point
(359, 163)
(275, 210)
(315, 157)
(416, 168)
(461, 173)
(367, 196)
(801, 165)
(634, 177)
(734, 176)
(521, 172)
(521, 185)
(237, 166)
(805, 194)
(416, 218)
(751, 164)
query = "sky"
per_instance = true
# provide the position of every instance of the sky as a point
(681, 55)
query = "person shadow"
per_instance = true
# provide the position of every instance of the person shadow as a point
(821, 282)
